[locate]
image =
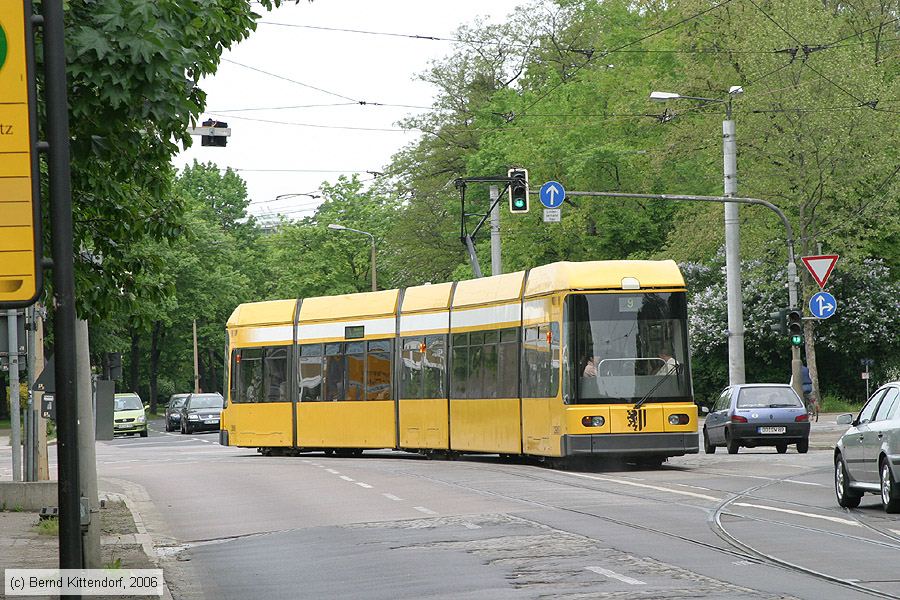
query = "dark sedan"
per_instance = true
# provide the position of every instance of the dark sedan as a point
(759, 414)
(173, 411)
(201, 412)
(867, 457)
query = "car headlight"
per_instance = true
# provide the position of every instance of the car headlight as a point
(194, 417)
(141, 419)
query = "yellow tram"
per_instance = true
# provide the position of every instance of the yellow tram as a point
(567, 359)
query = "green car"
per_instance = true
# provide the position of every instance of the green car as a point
(129, 416)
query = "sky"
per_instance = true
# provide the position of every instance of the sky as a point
(275, 158)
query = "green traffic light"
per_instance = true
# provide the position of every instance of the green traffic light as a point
(796, 340)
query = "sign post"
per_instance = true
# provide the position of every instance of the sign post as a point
(552, 196)
(20, 218)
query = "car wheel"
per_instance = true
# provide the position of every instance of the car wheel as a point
(890, 491)
(846, 497)
(782, 448)
(731, 443)
(803, 446)
(144, 433)
(708, 446)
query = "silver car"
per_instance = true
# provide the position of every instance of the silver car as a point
(867, 457)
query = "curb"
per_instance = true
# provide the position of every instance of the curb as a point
(142, 537)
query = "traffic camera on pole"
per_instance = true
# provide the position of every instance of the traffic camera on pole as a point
(795, 327)
(779, 321)
(518, 190)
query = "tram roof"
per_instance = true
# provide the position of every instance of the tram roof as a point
(603, 275)
(489, 290)
(349, 306)
(426, 297)
(263, 313)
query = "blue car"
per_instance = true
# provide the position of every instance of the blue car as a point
(757, 414)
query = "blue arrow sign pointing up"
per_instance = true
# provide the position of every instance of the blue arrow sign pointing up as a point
(552, 194)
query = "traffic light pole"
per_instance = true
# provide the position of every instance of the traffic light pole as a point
(70, 555)
(796, 363)
(468, 239)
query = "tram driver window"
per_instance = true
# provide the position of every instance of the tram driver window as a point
(275, 375)
(250, 375)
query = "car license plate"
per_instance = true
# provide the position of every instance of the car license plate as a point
(216, 422)
(123, 425)
(771, 429)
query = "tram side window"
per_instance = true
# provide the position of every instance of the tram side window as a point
(508, 363)
(411, 367)
(310, 373)
(541, 350)
(334, 373)
(275, 375)
(233, 376)
(378, 370)
(460, 365)
(435, 366)
(356, 371)
(250, 375)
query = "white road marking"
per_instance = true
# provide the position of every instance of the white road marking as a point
(647, 486)
(422, 509)
(361, 484)
(333, 472)
(614, 575)
(694, 487)
(345, 478)
(897, 531)
(800, 513)
(769, 479)
(392, 497)
(471, 526)
(742, 563)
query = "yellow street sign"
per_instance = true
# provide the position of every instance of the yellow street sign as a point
(20, 248)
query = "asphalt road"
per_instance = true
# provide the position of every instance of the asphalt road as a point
(234, 524)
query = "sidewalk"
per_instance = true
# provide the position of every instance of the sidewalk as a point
(124, 542)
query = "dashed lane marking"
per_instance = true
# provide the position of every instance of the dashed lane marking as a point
(799, 513)
(392, 497)
(614, 575)
(333, 472)
(658, 488)
(345, 478)
(361, 484)
(422, 509)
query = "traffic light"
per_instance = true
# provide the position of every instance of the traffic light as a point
(218, 138)
(779, 321)
(795, 327)
(518, 190)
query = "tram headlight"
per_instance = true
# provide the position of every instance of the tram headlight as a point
(597, 421)
(679, 419)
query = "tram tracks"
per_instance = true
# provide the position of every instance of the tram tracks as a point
(736, 547)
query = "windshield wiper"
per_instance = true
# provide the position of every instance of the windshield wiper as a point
(668, 374)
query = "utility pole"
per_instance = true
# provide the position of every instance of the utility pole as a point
(196, 362)
(30, 414)
(42, 467)
(12, 326)
(733, 254)
(496, 258)
(87, 454)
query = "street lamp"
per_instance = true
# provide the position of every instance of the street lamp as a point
(732, 232)
(337, 227)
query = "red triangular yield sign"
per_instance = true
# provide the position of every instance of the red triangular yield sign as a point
(820, 267)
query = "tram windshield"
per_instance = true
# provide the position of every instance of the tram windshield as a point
(623, 347)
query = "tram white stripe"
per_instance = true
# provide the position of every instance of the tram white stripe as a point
(647, 486)
(614, 575)
(316, 331)
(800, 513)
(280, 333)
(422, 509)
(488, 315)
(423, 322)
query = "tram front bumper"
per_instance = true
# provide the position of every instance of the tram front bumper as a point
(631, 444)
